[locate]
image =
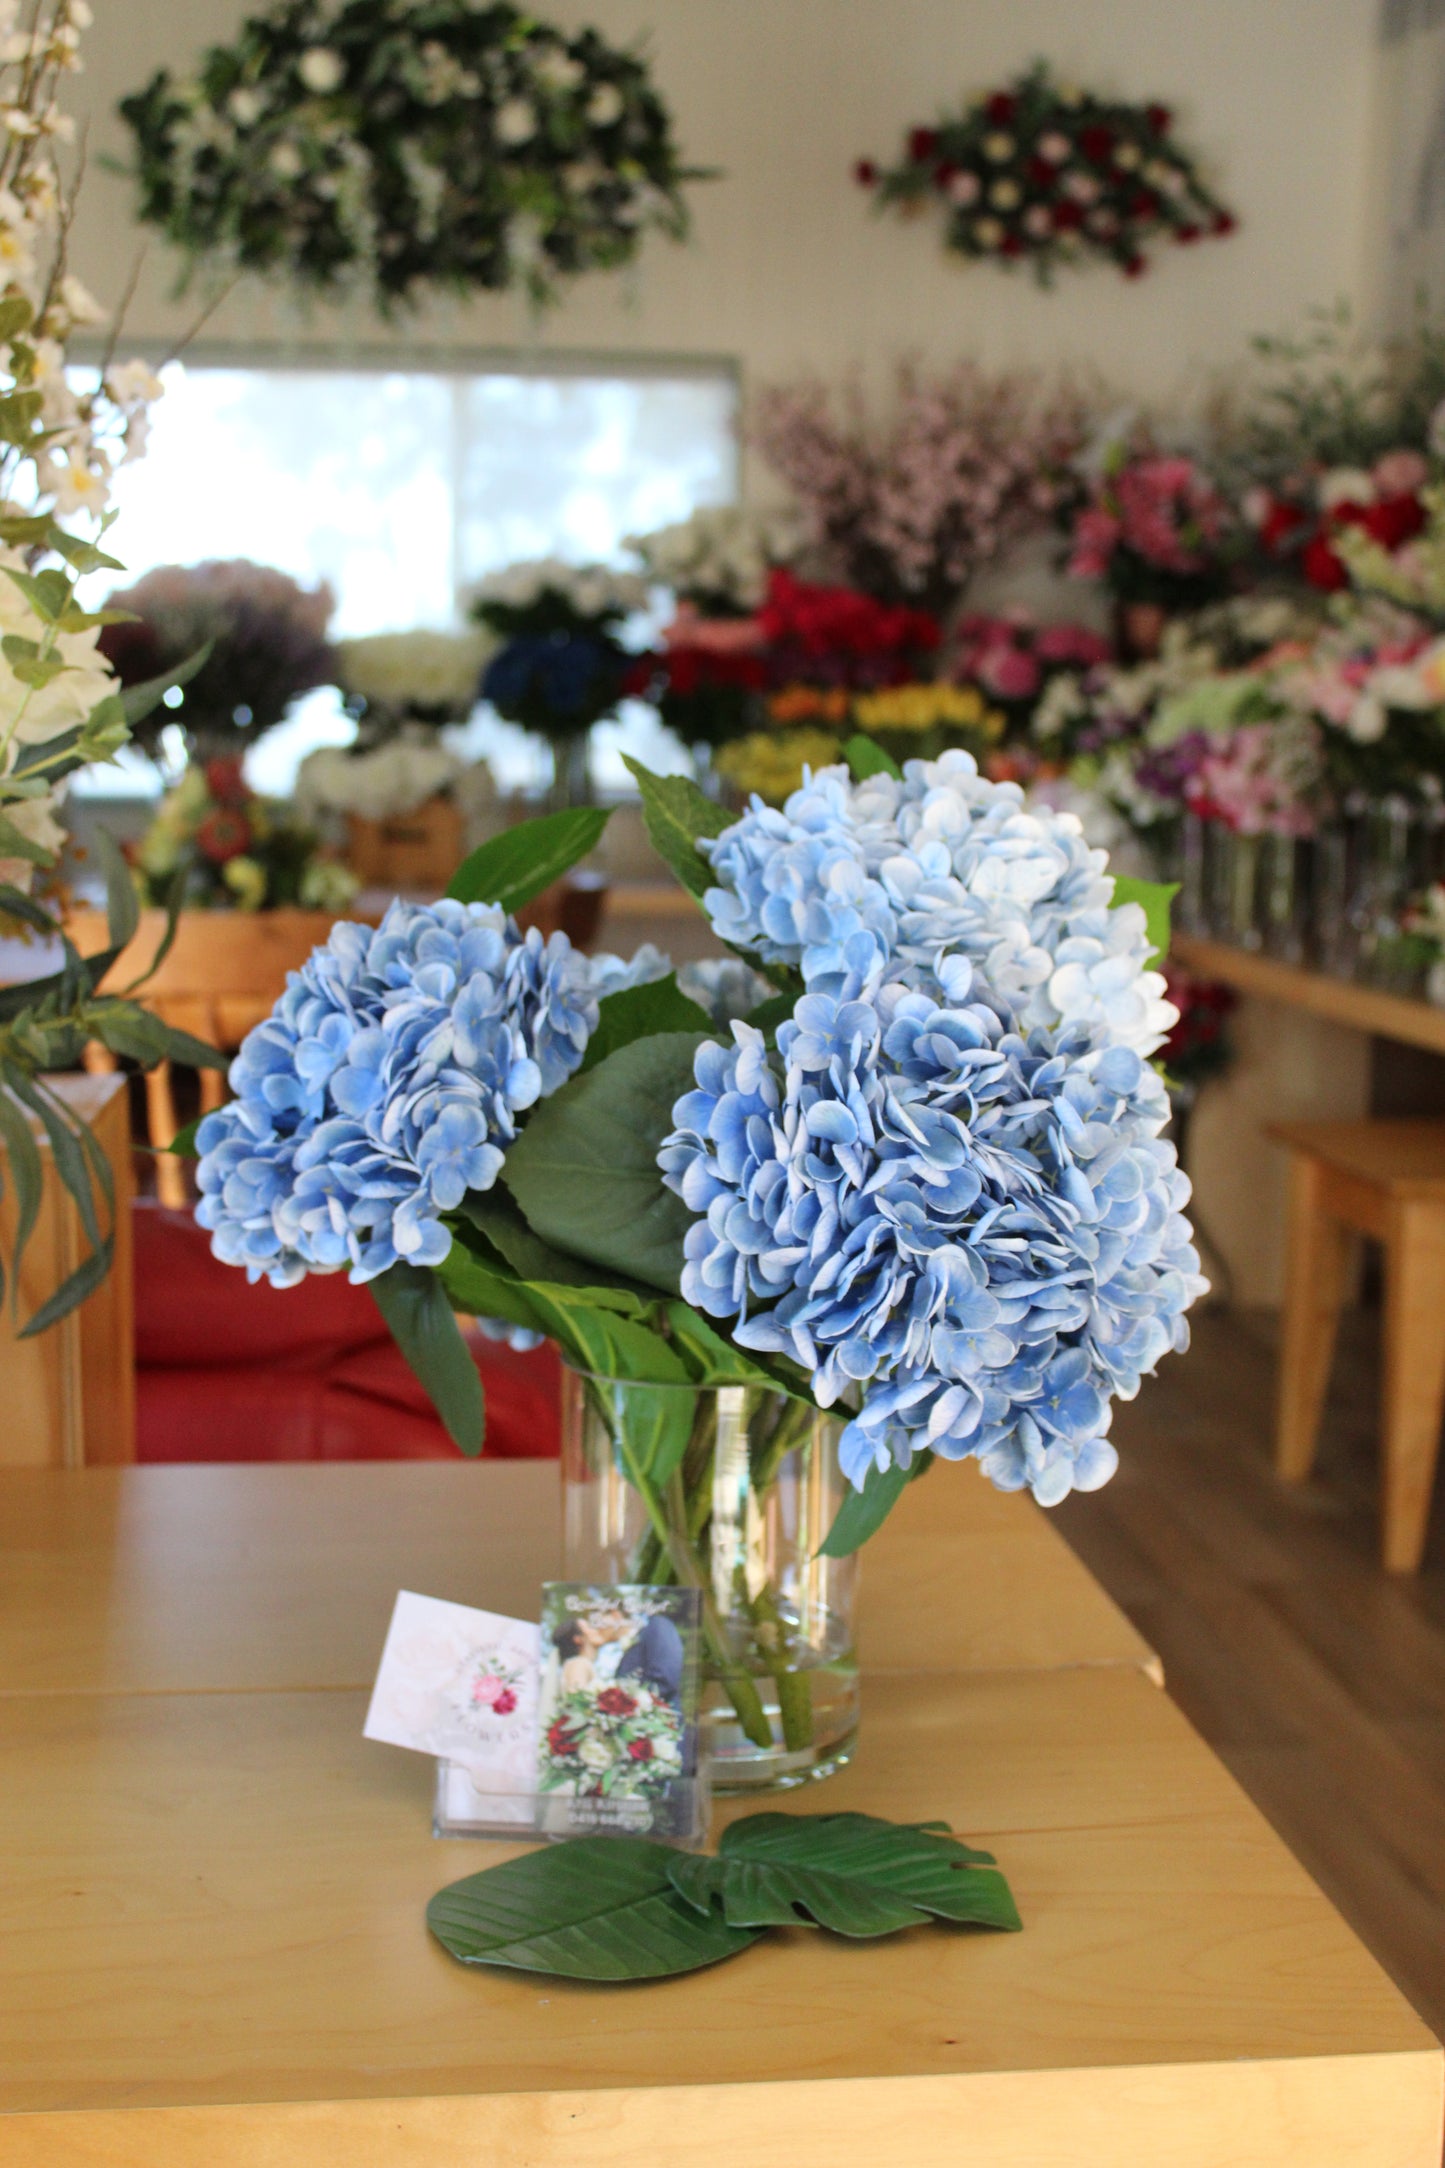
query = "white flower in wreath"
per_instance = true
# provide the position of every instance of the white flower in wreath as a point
(556, 69)
(516, 122)
(287, 161)
(322, 70)
(605, 106)
(245, 106)
(1054, 147)
(1037, 220)
(1082, 187)
(963, 187)
(987, 232)
(998, 147)
(1126, 157)
(582, 176)
(1004, 195)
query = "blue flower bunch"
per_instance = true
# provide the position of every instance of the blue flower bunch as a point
(946, 1194)
(555, 681)
(386, 1083)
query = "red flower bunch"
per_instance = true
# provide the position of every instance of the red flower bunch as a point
(639, 1749)
(615, 1701)
(505, 1702)
(560, 1740)
(1384, 503)
(842, 622)
(1046, 174)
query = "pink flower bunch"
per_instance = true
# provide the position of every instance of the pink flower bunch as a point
(1246, 781)
(909, 510)
(1012, 658)
(1164, 511)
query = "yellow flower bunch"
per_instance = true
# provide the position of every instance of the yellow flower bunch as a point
(771, 762)
(928, 706)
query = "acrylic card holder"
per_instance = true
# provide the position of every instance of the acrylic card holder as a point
(617, 1738)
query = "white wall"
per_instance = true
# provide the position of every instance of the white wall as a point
(791, 270)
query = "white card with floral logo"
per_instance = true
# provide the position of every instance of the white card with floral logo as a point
(462, 1685)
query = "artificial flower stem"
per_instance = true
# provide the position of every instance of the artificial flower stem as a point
(795, 1694)
(737, 1681)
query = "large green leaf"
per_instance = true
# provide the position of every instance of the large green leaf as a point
(1156, 897)
(530, 1258)
(596, 1908)
(420, 1319)
(863, 1512)
(28, 1175)
(83, 1282)
(126, 1028)
(852, 1873)
(122, 899)
(865, 757)
(518, 864)
(584, 1170)
(481, 1284)
(639, 1012)
(677, 813)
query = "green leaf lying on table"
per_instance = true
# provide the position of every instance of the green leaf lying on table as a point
(625, 1908)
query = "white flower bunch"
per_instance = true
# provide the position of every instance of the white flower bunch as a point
(721, 556)
(406, 673)
(591, 590)
(382, 785)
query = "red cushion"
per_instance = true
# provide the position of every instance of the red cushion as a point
(227, 1371)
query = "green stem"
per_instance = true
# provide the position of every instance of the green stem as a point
(795, 1692)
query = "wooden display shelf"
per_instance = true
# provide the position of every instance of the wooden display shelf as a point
(1340, 1001)
(212, 1938)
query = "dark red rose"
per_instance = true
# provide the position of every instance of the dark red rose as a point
(1280, 525)
(1186, 233)
(223, 835)
(637, 677)
(944, 173)
(505, 1702)
(1321, 567)
(1041, 172)
(1223, 222)
(560, 1740)
(1134, 267)
(1158, 117)
(225, 782)
(922, 145)
(1001, 108)
(1067, 217)
(1011, 245)
(865, 173)
(640, 1749)
(1393, 520)
(1096, 143)
(1144, 205)
(615, 1701)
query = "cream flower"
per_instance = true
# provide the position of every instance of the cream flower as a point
(133, 383)
(516, 122)
(29, 715)
(245, 106)
(321, 70)
(77, 484)
(605, 106)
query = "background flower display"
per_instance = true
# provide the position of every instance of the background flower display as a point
(1154, 529)
(1042, 173)
(264, 638)
(562, 665)
(448, 148)
(234, 850)
(909, 508)
(716, 563)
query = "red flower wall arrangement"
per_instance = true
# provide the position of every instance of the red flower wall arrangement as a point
(1044, 174)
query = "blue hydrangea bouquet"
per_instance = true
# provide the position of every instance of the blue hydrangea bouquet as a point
(902, 1159)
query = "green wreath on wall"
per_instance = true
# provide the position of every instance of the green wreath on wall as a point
(400, 149)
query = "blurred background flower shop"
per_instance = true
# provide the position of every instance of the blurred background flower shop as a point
(416, 414)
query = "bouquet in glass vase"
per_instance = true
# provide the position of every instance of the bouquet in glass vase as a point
(893, 1190)
(562, 666)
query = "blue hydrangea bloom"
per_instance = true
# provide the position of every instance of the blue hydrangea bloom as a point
(387, 1083)
(940, 864)
(975, 1231)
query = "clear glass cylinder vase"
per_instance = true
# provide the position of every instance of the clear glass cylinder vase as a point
(730, 1489)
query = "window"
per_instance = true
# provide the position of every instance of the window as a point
(404, 486)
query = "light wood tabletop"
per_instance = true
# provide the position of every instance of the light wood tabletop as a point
(166, 1579)
(212, 1946)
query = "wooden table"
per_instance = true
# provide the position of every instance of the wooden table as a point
(212, 1950)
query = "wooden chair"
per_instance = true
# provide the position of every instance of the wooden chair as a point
(1384, 1179)
(224, 971)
